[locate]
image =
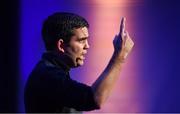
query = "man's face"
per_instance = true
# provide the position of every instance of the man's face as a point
(77, 47)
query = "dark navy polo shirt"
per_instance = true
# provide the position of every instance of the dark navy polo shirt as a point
(49, 88)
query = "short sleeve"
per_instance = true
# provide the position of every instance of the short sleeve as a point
(73, 94)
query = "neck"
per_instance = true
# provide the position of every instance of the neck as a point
(65, 59)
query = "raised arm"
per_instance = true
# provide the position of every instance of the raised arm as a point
(123, 45)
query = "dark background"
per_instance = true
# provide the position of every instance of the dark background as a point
(160, 58)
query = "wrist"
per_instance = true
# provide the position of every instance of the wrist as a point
(119, 57)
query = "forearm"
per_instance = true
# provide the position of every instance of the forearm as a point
(122, 46)
(103, 85)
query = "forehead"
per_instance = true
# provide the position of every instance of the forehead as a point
(81, 32)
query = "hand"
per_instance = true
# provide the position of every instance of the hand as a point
(123, 44)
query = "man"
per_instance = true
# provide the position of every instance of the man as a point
(50, 88)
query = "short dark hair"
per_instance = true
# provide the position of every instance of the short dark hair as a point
(60, 25)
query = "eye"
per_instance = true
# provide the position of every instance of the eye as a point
(82, 41)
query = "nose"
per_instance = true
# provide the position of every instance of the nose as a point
(87, 45)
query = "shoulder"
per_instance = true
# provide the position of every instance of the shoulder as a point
(46, 67)
(45, 71)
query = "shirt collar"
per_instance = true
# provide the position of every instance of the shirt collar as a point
(54, 58)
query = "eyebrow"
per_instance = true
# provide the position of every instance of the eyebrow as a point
(83, 38)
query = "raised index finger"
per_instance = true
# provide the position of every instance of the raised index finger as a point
(122, 26)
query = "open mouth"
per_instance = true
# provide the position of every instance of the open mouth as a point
(82, 58)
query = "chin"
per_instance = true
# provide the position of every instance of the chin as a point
(81, 63)
(78, 63)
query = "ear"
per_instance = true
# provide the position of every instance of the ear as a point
(60, 45)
